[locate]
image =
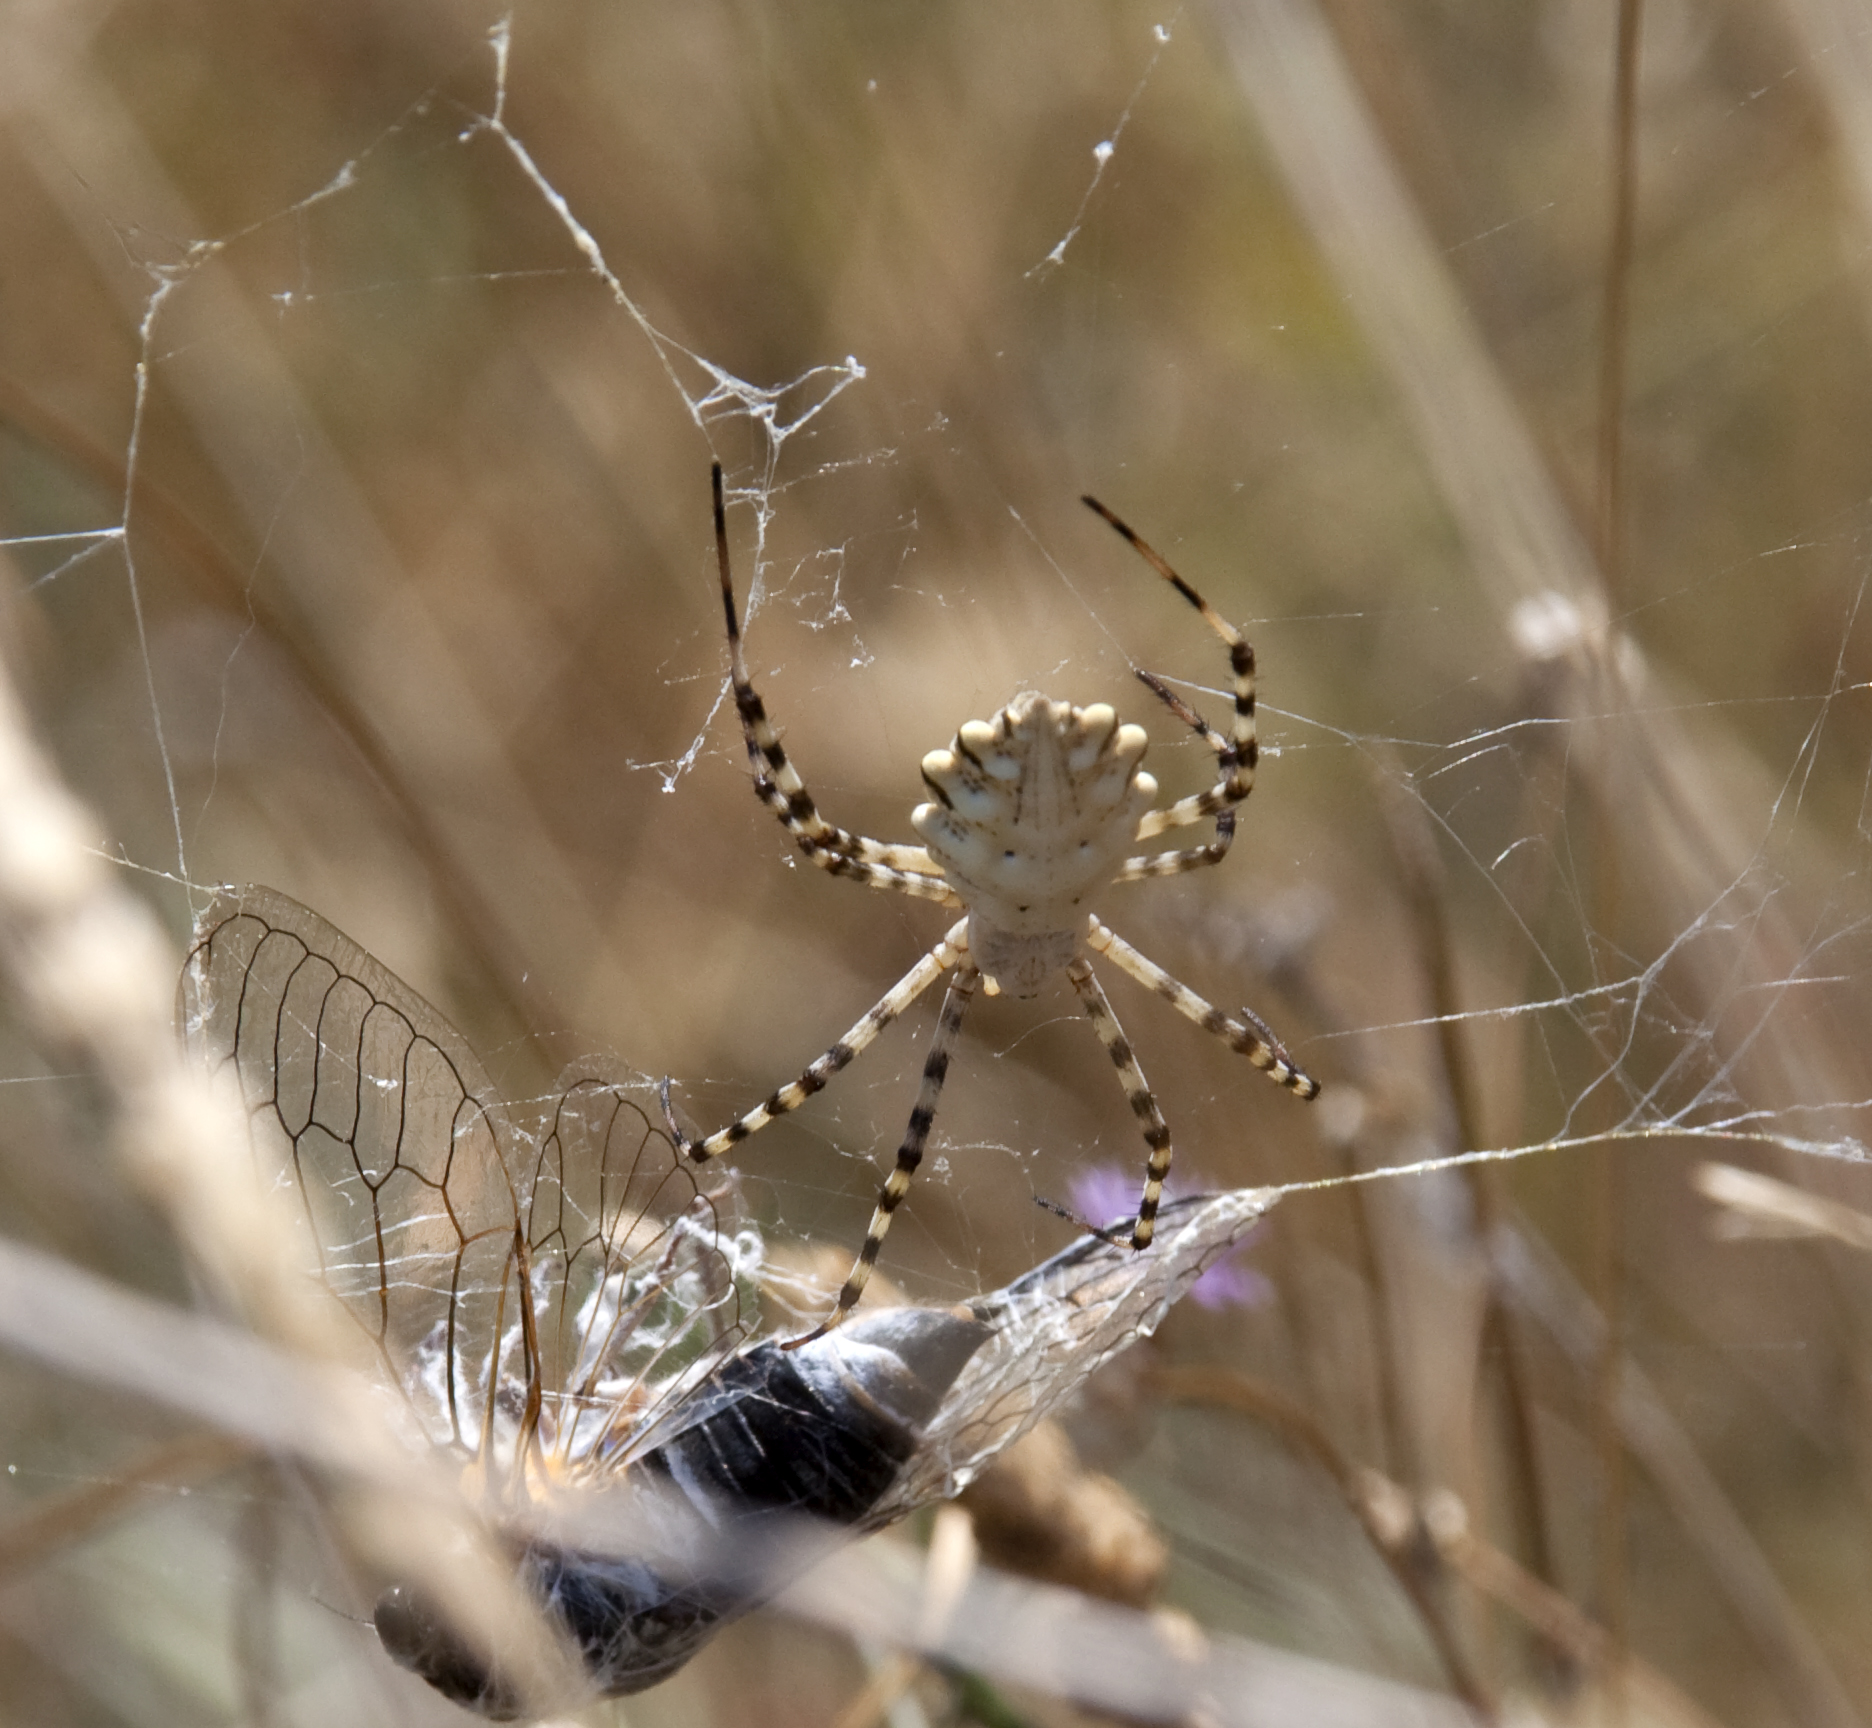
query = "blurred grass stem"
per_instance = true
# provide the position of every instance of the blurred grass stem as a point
(1608, 1186)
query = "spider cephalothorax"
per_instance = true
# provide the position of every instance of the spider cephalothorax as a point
(1031, 813)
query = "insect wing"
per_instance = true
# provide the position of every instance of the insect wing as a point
(1053, 1328)
(375, 1113)
(638, 1289)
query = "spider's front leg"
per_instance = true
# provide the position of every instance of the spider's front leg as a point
(960, 993)
(877, 863)
(1142, 1100)
(940, 959)
(1250, 1035)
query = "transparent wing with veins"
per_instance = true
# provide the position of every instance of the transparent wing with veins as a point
(639, 1286)
(538, 1289)
(1052, 1329)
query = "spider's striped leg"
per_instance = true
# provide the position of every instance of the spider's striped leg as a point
(1137, 1091)
(917, 883)
(1251, 1035)
(1184, 712)
(910, 1154)
(1238, 761)
(1150, 864)
(877, 863)
(791, 1096)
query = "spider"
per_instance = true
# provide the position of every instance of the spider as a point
(1029, 813)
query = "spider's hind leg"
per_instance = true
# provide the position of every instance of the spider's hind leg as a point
(1217, 801)
(1238, 761)
(877, 863)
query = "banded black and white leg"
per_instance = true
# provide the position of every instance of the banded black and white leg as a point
(1195, 857)
(876, 863)
(956, 1000)
(944, 957)
(1237, 758)
(1249, 1035)
(1138, 1094)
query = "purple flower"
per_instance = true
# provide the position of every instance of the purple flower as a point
(1228, 1284)
(1105, 1194)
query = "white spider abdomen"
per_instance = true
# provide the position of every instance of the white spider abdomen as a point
(1034, 810)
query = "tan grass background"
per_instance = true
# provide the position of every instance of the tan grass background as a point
(421, 550)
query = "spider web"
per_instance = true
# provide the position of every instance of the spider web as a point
(364, 543)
